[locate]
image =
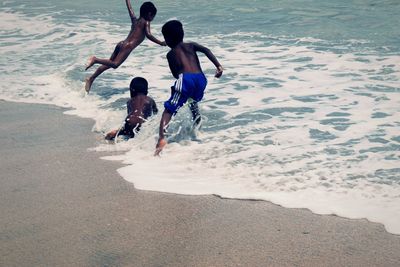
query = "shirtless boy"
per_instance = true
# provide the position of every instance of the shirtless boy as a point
(140, 29)
(139, 108)
(185, 67)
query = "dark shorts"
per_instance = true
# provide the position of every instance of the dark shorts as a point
(189, 85)
(129, 130)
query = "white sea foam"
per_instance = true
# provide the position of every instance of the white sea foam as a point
(277, 159)
(288, 123)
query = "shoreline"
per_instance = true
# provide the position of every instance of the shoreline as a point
(64, 206)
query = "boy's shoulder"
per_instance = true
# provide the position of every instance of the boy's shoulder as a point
(149, 98)
(188, 43)
(140, 95)
(183, 45)
(191, 46)
(141, 22)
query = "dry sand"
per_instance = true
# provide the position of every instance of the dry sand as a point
(60, 205)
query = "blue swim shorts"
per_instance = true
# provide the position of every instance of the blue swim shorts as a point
(189, 85)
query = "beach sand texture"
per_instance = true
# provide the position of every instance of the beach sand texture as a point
(63, 206)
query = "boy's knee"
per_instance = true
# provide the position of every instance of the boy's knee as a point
(114, 66)
(171, 108)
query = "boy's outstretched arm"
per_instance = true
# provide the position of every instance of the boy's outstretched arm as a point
(151, 37)
(131, 13)
(211, 57)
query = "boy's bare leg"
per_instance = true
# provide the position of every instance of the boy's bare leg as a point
(91, 79)
(194, 108)
(160, 146)
(162, 141)
(116, 59)
(93, 60)
(90, 62)
(101, 69)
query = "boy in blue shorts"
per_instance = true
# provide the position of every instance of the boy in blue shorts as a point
(185, 67)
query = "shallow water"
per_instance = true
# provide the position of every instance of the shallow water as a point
(305, 115)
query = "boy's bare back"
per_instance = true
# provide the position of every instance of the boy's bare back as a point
(140, 107)
(183, 58)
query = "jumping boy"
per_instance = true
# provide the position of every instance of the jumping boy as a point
(185, 67)
(139, 108)
(140, 29)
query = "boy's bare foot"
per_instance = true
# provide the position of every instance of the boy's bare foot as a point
(160, 145)
(90, 62)
(88, 84)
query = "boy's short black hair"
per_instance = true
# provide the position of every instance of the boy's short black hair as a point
(147, 7)
(173, 32)
(138, 85)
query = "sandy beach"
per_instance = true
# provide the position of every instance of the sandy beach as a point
(63, 206)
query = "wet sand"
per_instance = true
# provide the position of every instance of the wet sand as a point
(61, 205)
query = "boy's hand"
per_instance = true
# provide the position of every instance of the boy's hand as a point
(111, 135)
(218, 72)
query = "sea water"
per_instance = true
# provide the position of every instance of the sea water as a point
(306, 115)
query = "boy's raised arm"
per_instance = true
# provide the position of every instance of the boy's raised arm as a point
(151, 37)
(211, 57)
(131, 13)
